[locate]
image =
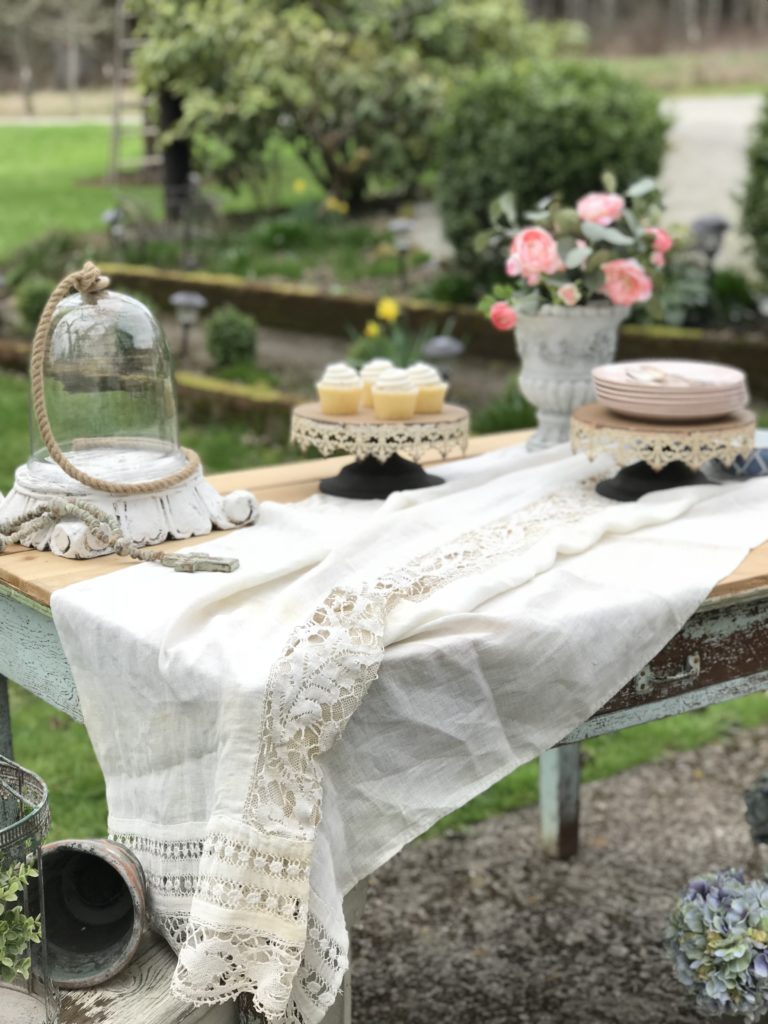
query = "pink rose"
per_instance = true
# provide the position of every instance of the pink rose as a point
(600, 207)
(502, 316)
(662, 241)
(512, 267)
(626, 282)
(533, 252)
(658, 259)
(569, 294)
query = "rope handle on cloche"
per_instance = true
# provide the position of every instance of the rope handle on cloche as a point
(88, 281)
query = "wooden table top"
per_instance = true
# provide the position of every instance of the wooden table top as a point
(37, 574)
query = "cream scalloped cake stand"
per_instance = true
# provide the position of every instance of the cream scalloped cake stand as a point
(387, 452)
(654, 455)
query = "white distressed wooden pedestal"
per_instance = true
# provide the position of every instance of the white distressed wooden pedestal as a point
(190, 509)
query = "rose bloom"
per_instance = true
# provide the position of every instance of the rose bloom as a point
(626, 282)
(502, 316)
(662, 241)
(658, 259)
(533, 252)
(569, 294)
(600, 207)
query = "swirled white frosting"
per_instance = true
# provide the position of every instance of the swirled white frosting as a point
(374, 368)
(395, 381)
(424, 376)
(340, 375)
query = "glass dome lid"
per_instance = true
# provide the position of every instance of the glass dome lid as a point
(108, 396)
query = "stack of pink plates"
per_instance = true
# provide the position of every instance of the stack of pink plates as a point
(670, 389)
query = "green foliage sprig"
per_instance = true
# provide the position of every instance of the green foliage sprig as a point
(17, 929)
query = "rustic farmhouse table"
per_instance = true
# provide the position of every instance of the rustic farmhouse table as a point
(720, 653)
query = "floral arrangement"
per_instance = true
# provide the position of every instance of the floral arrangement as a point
(17, 929)
(718, 938)
(606, 247)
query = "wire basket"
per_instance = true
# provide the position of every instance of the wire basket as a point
(27, 995)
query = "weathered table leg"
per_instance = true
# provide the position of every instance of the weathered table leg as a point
(6, 744)
(354, 904)
(559, 778)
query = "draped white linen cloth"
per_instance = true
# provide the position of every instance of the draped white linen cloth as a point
(494, 613)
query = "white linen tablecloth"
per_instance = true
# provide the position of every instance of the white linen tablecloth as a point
(450, 634)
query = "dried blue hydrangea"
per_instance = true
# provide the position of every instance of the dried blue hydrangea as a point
(718, 938)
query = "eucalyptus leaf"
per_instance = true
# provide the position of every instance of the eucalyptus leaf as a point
(641, 187)
(482, 240)
(576, 257)
(599, 233)
(566, 221)
(632, 223)
(536, 216)
(508, 207)
(597, 259)
(608, 181)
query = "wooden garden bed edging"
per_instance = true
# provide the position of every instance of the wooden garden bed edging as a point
(302, 307)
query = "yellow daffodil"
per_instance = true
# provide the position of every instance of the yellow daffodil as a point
(299, 186)
(333, 204)
(372, 329)
(387, 309)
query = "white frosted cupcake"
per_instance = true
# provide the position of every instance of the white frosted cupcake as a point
(370, 373)
(431, 387)
(394, 395)
(339, 390)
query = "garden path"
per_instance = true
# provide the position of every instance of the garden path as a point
(706, 166)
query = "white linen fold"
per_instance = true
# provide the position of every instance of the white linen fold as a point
(270, 738)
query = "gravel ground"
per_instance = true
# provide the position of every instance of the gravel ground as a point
(477, 927)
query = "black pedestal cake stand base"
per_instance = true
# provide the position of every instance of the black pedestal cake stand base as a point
(634, 481)
(368, 478)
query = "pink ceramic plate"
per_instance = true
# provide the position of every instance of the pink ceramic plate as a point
(679, 375)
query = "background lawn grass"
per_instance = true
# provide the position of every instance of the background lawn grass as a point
(59, 749)
(42, 173)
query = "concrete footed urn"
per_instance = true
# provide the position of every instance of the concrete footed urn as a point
(558, 347)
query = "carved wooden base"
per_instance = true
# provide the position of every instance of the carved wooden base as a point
(192, 509)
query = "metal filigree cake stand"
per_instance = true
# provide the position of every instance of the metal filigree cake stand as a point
(387, 452)
(658, 455)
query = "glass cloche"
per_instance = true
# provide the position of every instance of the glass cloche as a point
(109, 392)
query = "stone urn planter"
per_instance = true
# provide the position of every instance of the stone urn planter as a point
(558, 347)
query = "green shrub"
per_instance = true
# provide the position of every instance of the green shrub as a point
(31, 296)
(755, 207)
(540, 129)
(231, 336)
(508, 412)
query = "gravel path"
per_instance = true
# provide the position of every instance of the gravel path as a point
(476, 927)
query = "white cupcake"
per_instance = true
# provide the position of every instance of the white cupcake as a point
(431, 387)
(370, 373)
(394, 395)
(339, 390)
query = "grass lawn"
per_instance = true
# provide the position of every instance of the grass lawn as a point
(57, 748)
